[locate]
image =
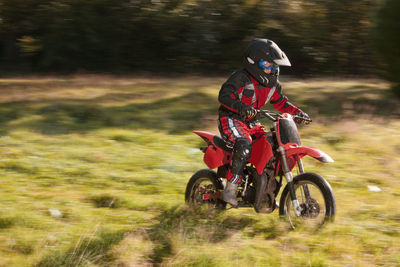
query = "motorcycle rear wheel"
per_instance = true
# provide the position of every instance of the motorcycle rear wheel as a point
(315, 197)
(204, 183)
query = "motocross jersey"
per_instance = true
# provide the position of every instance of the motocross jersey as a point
(242, 89)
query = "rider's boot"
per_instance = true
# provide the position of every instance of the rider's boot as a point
(241, 153)
(229, 195)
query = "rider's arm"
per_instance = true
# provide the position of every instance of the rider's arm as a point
(229, 99)
(281, 103)
(228, 95)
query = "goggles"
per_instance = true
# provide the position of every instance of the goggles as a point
(272, 67)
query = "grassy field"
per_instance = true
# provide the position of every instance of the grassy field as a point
(94, 168)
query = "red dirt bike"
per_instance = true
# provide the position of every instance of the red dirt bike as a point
(306, 199)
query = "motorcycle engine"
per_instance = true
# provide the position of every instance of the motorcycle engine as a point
(250, 194)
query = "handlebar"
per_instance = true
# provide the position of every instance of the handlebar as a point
(273, 116)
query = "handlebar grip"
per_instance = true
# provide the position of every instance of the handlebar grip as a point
(302, 120)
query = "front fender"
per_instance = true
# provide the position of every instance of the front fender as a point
(310, 151)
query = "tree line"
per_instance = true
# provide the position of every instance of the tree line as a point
(207, 36)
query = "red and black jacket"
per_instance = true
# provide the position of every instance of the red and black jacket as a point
(241, 90)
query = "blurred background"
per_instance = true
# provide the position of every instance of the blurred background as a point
(98, 101)
(358, 37)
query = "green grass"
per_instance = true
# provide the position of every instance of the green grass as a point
(94, 168)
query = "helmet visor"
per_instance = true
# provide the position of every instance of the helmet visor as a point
(268, 65)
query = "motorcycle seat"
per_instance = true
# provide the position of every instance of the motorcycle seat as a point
(219, 142)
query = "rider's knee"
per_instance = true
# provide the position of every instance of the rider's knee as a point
(242, 148)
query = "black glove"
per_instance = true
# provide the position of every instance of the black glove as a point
(302, 117)
(248, 112)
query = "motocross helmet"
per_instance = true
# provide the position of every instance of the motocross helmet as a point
(260, 50)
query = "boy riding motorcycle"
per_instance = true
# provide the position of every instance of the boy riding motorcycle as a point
(246, 91)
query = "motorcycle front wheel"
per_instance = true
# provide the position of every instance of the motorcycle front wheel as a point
(316, 201)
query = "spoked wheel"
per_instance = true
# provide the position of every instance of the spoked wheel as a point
(316, 200)
(204, 188)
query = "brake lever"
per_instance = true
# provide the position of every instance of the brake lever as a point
(270, 117)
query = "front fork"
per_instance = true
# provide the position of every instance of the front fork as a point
(289, 179)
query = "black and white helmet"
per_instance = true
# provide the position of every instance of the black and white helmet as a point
(260, 50)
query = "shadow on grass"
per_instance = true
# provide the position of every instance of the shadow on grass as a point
(174, 115)
(88, 251)
(7, 222)
(200, 225)
(9, 112)
(351, 101)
